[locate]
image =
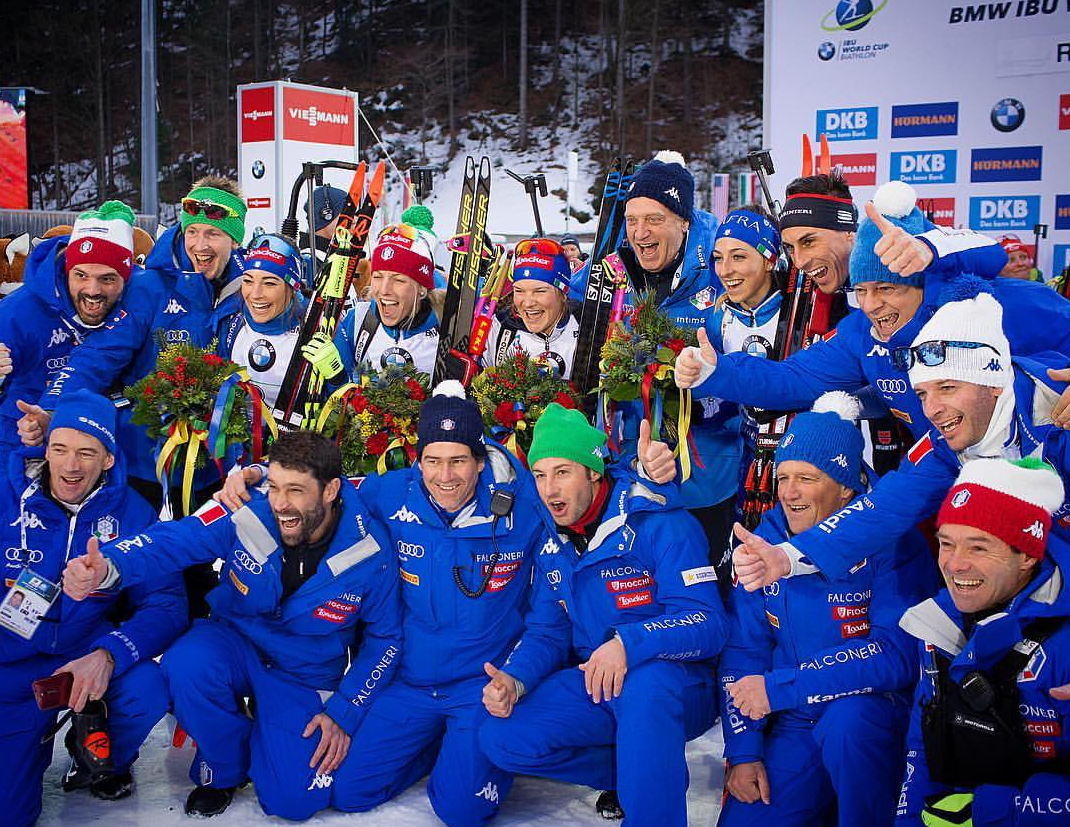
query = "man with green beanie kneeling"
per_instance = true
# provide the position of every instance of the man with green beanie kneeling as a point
(638, 602)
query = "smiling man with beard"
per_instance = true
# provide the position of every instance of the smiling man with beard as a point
(72, 286)
(308, 588)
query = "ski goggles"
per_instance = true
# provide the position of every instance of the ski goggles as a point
(210, 209)
(538, 246)
(931, 354)
(403, 230)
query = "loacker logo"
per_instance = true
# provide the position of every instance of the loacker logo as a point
(318, 117)
(855, 629)
(627, 601)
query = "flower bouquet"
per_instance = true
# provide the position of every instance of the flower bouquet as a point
(637, 364)
(197, 399)
(512, 396)
(374, 421)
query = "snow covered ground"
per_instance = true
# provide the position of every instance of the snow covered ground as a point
(163, 786)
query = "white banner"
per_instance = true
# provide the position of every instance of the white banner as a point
(968, 102)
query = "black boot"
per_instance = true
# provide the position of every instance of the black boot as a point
(88, 741)
(608, 806)
(206, 802)
(113, 787)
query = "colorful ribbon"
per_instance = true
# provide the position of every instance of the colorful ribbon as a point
(178, 434)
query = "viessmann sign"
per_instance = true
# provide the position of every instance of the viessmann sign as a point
(317, 117)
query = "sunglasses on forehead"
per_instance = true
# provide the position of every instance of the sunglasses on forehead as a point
(544, 246)
(931, 354)
(403, 230)
(210, 209)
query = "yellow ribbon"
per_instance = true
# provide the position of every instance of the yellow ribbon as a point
(398, 442)
(265, 409)
(683, 425)
(333, 400)
(192, 439)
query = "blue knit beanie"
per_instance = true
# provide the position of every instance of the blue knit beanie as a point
(89, 413)
(450, 417)
(896, 202)
(827, 438)
(327, 203)
(667, 181)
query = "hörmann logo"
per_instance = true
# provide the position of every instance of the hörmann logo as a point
(922, 120)
(1062, 212)
(858, 170)
(1006, 163)
(848, 124)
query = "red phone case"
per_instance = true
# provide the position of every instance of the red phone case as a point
(53, 691)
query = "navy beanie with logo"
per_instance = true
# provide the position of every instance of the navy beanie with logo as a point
(667, 181)
(89, 413)
(827, 438)
(448, 416)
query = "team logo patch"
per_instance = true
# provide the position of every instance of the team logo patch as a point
(632, 599)
(238, 584)
(323, 613)
(106, 529)
(448, 425)
(409, 577)
(85, 246)
(703, 299)
(503, 573)
(209, 515)
(1034, 667)
(921, 449)
(705, 574)
(961, 498)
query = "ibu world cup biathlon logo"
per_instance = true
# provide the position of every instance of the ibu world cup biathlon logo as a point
(850, 16)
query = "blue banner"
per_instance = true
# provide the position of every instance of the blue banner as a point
(936, 166)
(921, 120)
(848, 124)
(1004, 212)
(1006, 163)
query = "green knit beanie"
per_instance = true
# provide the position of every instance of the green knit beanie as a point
(234, 226)
(565, 433)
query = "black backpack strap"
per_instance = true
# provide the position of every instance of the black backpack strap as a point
(367, 332)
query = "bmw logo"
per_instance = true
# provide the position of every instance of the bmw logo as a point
(261, 355)
(1008, 115)
(757, 345)
(826, 51)
(397, 356)
(258, 169)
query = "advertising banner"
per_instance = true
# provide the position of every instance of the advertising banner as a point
(281, 125)
(967, 102)
(14, 194)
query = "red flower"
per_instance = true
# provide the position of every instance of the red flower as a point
(676, 345)
(211, 359)
(377, 443)
(564, 400)
(176, 393)
(507, 415)
(415, 391)
(359, 402)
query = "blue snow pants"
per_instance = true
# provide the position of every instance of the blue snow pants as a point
(209, 670)
(853, 756)
(633, 744)
(136, 701)
(411, 731)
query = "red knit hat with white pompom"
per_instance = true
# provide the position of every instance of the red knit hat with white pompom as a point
(104, 236)
(1012, 500)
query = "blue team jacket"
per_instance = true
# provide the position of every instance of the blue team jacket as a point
(449, 636)
(52, 536)
(1035, 319)
(40, 327)
(168, 303)
(1042, 801)
(645, 576)
(906, 496)
(817, 638)
(309, 636)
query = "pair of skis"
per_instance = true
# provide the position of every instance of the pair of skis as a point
(805, 312)
(603, 285)
(471, 253)
(303, 388)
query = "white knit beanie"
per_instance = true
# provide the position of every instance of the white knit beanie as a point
(976, 320)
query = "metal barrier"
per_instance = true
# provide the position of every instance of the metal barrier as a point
(37, 222)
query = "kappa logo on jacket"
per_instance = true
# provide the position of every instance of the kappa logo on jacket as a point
(58, 337)
(173, 307)
(29, 520)
(320, 782)
(489, 792)
(1036, 530)
(403, 515)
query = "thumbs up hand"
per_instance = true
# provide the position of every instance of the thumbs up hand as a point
(695, 365)
(656, 457)
(499, 695)
(84, 574)
(899, 251)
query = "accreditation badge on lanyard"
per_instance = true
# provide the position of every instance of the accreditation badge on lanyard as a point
(27, 602)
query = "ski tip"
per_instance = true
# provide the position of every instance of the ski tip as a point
(375, 188)
(825, 164)
(807, 156)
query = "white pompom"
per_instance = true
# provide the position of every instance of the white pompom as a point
(668, 156)
(842, 404)
(450, 387)
(895, 199)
